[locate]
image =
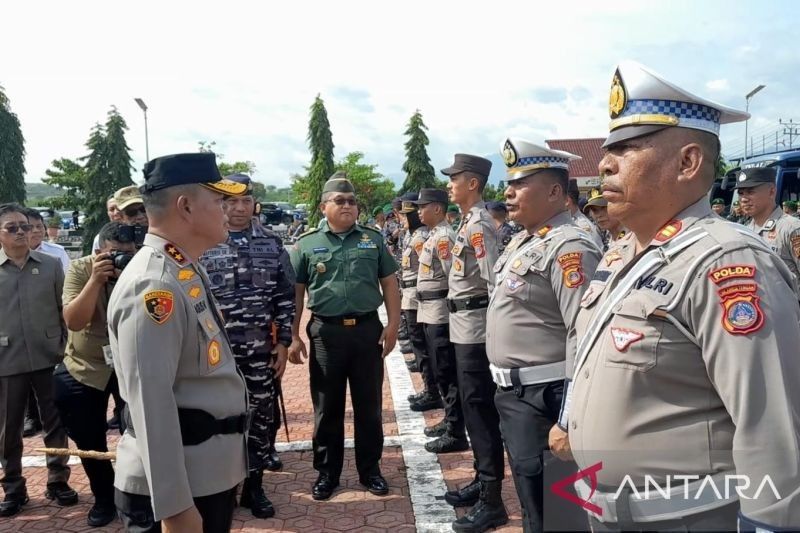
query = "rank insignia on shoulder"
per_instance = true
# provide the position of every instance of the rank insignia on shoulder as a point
(186, 274)
(544, 230)
(613, 255)
(572, 269)
(195, 291)
(623, 338)
(158, 305)
(732, 272)
(173, 252)
(669, 230)
(214, 355)
(476, 239)
(741, 313)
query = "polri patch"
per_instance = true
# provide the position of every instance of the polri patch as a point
(476, 239)
(443, 249)
(572, 269)
(741, 312)
(158, 305)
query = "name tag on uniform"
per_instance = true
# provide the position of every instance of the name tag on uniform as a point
(263, 249)
(3, 341)
(320, 250)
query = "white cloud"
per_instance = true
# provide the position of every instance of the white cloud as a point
(718, 85)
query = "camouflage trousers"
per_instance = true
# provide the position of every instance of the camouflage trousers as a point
(262, 392)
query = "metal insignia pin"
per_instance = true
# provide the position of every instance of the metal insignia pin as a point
(321, 268)
(34, 271)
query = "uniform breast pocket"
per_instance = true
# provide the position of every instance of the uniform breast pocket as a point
(320, 264)
(634, 335)
(516, 287)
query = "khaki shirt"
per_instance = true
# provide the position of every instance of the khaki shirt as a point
(170, 350)
(583, 222)
(434, 266)
(474, 255)
(409, 266)
(31, 330)
(84, 354)
(672, 389)
(782, 233)
(541, 278)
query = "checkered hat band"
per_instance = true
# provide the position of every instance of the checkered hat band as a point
(555, 162)
(680, 110)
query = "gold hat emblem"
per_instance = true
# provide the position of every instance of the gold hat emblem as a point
(595, 193)
(509, 154)
(617, 99)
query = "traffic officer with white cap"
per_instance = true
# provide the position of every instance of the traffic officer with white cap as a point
(686, 367)
(530, 323)
(184, 450)
(781, 231)
(471, 280)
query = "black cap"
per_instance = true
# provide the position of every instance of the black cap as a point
(427, 196)
(397, 203)
(471, 163)
(186, 169)
(753, 177)
(409, 200)
(496, 206)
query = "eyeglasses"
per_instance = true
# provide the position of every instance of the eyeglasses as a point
(342, 201)
(14, 228)
(132, 211)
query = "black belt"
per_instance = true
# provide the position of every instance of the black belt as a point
(424, 296)
(197, 426)
(348, 320)
(465, 304)
(408, 284)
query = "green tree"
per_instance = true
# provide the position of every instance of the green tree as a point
(69, 177)
(108, 169)
(372, 188)
(12, 154)
(320, 142)
(418, 168)
(226, 169)
(494, 193)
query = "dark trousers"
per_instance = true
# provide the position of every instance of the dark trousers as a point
(722, 519)
(136, 512)
(342, 354)
(32, 412)
(416, 334)
(477, 390)
(83, 412)
(443, 361)
(14, 392)
(526, 415)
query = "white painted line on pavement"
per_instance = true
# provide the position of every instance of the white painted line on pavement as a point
(426, 486)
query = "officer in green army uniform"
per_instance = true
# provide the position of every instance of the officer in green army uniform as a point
(348, 273)
(184, 449)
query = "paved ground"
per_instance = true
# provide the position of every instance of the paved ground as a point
(416, 478)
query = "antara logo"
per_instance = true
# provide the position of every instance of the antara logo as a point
(558, 488)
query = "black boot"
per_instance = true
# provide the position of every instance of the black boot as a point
(448, 443)
(426, 402)
(488, 513)
(253, 496)
(437, 430)
(466, 496)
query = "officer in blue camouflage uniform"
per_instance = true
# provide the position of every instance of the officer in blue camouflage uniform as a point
(253, 280)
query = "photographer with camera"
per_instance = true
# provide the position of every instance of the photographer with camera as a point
(84, 381)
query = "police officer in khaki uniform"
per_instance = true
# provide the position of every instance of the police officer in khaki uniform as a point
(416, 234)
(348, 272)
(471, 280)
(578, 218)
(184, 451)
(435, 262)
(530, 323)
(686, 367)
(779, 230)
(611, 229)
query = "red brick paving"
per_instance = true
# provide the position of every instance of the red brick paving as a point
(350, 509)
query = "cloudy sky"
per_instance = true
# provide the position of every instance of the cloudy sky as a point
(244, 74)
